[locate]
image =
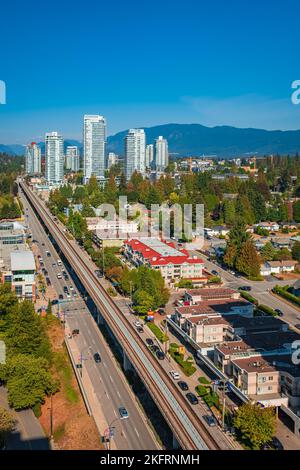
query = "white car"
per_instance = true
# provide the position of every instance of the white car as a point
(175, 375)
(59, 276)
(137, 324)
(71, 287)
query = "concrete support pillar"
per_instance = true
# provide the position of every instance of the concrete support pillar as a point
(175, 444)
(126, 363)
(297, 428)
(99, 318)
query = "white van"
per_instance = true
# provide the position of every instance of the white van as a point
(59, 263)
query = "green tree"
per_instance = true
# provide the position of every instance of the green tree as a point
(256, 425)
(268, 252)
(7, 424)
(143, 302)
(229, 212)
(296, 211)
(28, 380)
(296, 251)
(248, 260)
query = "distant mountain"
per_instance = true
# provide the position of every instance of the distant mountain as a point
(223, 141)
(195, 139)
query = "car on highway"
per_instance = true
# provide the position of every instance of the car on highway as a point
(183, 385)
(54, 302)
(97, 358)
(137, 324)
(160, 355)
(123, 412)
(215, 273)
(53, 265)
(175, 375)
(149, 341)
(65, 289)
(48, 282)
(279, 312)
(245, 288)
(48, 254)
(75, 332)
(71, 288)
(43, 244)
(192, 398)
(59, 263)
(68, 295)
(59, 276)
(211, 420)
(60, 297)
(46, 272)
(140, 329)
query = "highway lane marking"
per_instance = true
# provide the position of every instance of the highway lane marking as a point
(136, 431)
(111, 379)
(118, 394)
(115, 413)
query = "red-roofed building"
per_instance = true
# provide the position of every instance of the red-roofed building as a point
(163, 256)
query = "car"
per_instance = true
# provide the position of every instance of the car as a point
(65, 289)
(53, 265)
(74, 294)
(59, 263)
(149, 341)
(60, 297)
(43, 270)
(175, 375)
(297, 326)
(183, 385)
(97, 358)
(140, 329)
(137, 324)
(123, 413)
(274, 444)
(66, 277)
(161, 311)
(154, 348)
(48, 254)
(214, 272)
(211, 420)
(46, 272)
(48, 282)
(68, 295)
(71, 288)
(59, 276)
(192, 398)
(75, 331)
(160, 355)
(279, 312)
(245, 288)
(54, 302)
(43, 244)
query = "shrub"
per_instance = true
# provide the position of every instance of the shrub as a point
(283, 292)
(248, 297)
(268, 310)
(201, 390)
(162, 337)
(204, 380)
(187, 366)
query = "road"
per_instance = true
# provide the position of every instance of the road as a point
(28, 433)
(185, 424)
(108, 381)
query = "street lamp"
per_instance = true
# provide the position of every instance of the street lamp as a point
(81, 358)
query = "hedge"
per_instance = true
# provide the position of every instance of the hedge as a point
(268, 310)
(201, 390)
(187, 366)
(162, 337)
(249, 297)
(204, 381)
(286, 295)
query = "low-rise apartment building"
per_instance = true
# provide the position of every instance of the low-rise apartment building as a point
(277, 267)
(163, 256)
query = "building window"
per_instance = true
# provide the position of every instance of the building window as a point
(19, 290)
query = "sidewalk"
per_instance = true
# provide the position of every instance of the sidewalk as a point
(89, 394)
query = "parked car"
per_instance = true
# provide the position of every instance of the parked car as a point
(215, 273)
(140, 329)
(137, 324)
(211, 420)
(192, 398)
(279, 312)
(160, 355)
(123, 413)
(48, 282)
(175, 375)
(274, 444)
(183, 385)
(97, 358)
(149, 341)
(154, 348)
(245, 288)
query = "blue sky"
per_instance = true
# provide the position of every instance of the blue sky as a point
(142, 63)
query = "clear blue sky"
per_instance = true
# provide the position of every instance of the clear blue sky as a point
(147, 62)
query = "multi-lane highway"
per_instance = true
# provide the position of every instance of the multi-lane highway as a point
(108, 381)
(186, 425)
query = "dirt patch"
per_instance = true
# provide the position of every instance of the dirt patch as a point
(73, 428)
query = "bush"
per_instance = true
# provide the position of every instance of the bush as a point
(212, 399)
(204, 380)
(248, 297)
(283, 292)
(215, 280)
(185, 283)
(162, 337)
(187, 366)
(201, 390)
(268, 310)
(111, 292)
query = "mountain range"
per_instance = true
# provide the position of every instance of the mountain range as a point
(196, 140)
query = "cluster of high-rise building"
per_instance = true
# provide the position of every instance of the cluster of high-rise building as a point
(138, 156)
